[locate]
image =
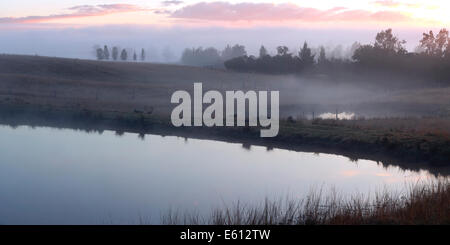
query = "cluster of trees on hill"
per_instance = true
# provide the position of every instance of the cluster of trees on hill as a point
(431, 58)
(386, 53)
(282, 62)
(211, 56)
(117, 54)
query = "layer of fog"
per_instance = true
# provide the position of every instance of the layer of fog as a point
(167, 44)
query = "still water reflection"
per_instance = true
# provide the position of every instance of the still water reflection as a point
(63, 176)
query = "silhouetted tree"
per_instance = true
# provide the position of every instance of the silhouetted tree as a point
(142, 55)
(201, 57)
(227, 53)
(262, 52)
(442, 40)
(386, 51)
(435, 46)
(306, 56)
(238, 50)
(134, 56)
(428, 43)
(106, 52)
(322, 59)
(233, 52)
(115, 53)
(387, 56)
(386, 41)
(364, 53)
(100, 54)
(353, 48)
(123, 55)
(282, 50)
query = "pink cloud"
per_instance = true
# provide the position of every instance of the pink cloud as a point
(387, 3)
(393, 4)
(78, 12)
(223, 11)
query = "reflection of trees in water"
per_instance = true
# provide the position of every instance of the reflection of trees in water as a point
(353, 159)
(247, 146)
(141, 136)
(91, 122)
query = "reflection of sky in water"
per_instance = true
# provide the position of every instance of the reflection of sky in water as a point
(64, 176)
(341, 115)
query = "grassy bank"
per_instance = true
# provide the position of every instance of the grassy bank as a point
(135, 97)
(411, 143)
(411, 139)
(421, 204)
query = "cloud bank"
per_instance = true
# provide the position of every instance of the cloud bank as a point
(78, 12)
(224, 11)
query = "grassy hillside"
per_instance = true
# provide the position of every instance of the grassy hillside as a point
(135, 97)
(126, 86)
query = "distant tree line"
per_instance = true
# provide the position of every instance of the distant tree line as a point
(117, 54)
(282, 62)
(431, 58)
(211, 56)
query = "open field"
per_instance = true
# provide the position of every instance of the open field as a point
(128, 86)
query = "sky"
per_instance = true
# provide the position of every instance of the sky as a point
(166, 27)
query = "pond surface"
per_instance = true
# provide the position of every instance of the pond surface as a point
(64, 176)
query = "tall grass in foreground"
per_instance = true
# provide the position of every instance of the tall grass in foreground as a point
(420, 204)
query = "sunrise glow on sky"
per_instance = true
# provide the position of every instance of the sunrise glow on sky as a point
(433, 13)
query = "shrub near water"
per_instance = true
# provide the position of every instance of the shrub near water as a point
(421, 204)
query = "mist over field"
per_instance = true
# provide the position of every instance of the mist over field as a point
(102, 120)
(165, 44)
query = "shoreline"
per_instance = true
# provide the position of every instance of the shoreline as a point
(319, 136)
(135, 97)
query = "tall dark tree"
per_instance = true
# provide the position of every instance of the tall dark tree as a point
(100, 54)
(447, 49)
(353, 48)
(306, 56)
(142, 55)
(123, 55)
(435, 46)
(262, 52)
(428, 43)
(322, 59)
(386, 41)
(134, 56)
(384, 53)
(106, 52)
(115, 53)
(441, 42)
(364, 54)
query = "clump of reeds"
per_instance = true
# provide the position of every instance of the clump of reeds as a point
(422, 203)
